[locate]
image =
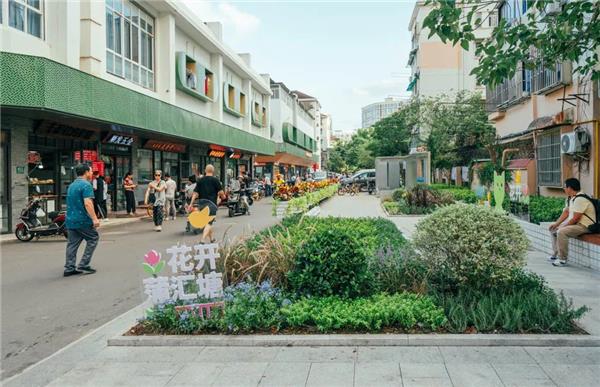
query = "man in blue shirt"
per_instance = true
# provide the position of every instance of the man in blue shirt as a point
(81, 222)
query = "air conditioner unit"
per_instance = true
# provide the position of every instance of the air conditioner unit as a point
(574, 142)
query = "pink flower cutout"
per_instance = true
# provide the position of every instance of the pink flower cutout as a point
(152, 263)
(152, 257)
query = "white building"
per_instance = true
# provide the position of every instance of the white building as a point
(313, 107)
(125, 86)
(379, 110)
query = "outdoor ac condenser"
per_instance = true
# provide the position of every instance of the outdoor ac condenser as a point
(574, 142)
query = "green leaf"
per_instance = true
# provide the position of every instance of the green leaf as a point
(465, 44)
(159, 267)
(148, 269)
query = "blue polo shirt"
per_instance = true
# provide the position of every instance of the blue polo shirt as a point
(77, 216)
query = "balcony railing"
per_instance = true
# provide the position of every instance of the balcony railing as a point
(541, 80)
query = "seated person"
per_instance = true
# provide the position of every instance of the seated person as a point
(579, 213)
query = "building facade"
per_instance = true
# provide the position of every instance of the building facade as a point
(326, 130)
(312, 106)
(292, 130)
(124, 86)
(379, 110)
(537, 114)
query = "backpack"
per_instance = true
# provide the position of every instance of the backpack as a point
(594, 228)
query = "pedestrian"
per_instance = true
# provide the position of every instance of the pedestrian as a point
(208, 188)
(268, 188)
(579, 213)
(129, 187)
(189, 189)
(98, 186)
(171, 187)
(81, 222)
(155, 195)
(105, 196)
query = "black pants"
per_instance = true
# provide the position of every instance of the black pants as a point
(100, 206)
(130, 199)
(157, 214)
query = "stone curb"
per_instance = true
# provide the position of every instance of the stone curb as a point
(401, 216)
(401, 340)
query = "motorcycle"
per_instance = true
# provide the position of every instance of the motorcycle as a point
(371, 186)
(258, 191)
(239, 200)
(180, 203)
(31, 226)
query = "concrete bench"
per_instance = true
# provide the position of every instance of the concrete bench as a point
(591, 238)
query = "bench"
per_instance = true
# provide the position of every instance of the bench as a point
(591, 238)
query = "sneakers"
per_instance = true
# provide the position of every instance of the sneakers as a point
(158, 228)
(86, 270)
(559, 263)
(552, 258)
(69, 273)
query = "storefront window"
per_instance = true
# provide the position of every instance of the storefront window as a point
(171, 164)
(144, 163)
(216, 162)
(157, 161)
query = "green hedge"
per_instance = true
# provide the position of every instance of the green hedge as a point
(462, 194)
(545, 209)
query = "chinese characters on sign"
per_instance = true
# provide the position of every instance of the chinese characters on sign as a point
(119, 139)
(188, 281)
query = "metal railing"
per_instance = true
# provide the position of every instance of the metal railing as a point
(507, 92)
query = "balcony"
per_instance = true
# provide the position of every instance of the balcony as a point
(548, 79)
(508, 93)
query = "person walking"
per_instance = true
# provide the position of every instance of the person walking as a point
(579, 213)
(171, 187)
(129, 187)
(98, 186)
(106, 182)
(268, 188)
(155, 195)
(81, 222)
(208, 188)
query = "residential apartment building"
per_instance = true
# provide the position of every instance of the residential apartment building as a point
(122, 85)
(379, 110)
(292, 130)
(547, 119)
(439, 68)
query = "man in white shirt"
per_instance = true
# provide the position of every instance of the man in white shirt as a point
(579, 213)
(170, 196)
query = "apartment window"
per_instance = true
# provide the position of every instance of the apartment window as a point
(527, 80)
(243, 103)
(548, 159)
(26, 16)
(130, 43)
(231, 97)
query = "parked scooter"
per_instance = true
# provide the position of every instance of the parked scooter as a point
(239, 200)
(31, 226)
(180, 203)
(371, 186)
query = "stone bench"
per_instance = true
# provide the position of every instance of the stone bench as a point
(583, 251)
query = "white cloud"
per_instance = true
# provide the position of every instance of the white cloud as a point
(235, 21)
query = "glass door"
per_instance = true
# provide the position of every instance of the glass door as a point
(122, 165)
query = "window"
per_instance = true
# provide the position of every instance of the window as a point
(264, 117)
(130, 43)
(548, 159)
(243, 103)
(231, 97)
(527, 78)
(26, 16)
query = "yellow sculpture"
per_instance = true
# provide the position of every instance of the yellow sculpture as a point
(199, 219)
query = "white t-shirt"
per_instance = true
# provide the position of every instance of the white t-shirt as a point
(171, 188)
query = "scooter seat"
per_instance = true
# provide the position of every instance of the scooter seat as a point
(53, 214)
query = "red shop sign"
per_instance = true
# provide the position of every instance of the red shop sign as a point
(88, 156)
(164, 146)
(98, 166)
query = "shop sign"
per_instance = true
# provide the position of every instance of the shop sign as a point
(235, 155)
(98, 166)
(88, 156)
(66, 132)
(34, 157)
(164, 146)
(119, 139)
(20, 169)
(308, 154)
(216, 153)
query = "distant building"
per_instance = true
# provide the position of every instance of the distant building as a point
(379, 110)
(341, 136)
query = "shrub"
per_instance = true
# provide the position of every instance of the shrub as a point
(403, 310)
(331, 262)
(478, 246)
(509, 310)
(393, 208)
(398, 270)
(545, 209)
(398, 194)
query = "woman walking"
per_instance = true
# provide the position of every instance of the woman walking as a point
(155, 195)
(129, 187)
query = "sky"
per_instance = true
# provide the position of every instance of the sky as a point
(347, 54)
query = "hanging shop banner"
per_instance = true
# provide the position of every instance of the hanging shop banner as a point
(119, 139)
(164, 146)
(216, 151)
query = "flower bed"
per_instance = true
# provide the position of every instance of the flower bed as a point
(286, 192)
(463, 274)
(303, 203)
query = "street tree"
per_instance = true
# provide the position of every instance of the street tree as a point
(391, 135)
(550, 31)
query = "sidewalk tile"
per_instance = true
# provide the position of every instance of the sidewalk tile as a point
(240, 374)
(331, 374)
(522, 375)
(316, 354)
(495, 355)
(573, 375)
(565, 355)
(282, 374)
(424, 370)
(426, 382)
(400, 354)
(377, 374)
(473, 375)
(237, 354)
(113, 374)
(148, 354)
(197, 374)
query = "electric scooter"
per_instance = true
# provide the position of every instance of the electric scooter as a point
(31, 226)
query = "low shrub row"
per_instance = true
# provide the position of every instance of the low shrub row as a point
(545, 209)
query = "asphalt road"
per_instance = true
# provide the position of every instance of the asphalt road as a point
(42, 311)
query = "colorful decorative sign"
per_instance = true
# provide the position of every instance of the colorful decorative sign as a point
(164, 146)
(499, 180)
(34, 157)
(88, 156)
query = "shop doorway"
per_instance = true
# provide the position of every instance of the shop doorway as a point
(115, 168)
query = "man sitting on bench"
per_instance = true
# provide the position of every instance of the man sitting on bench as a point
(579, 213)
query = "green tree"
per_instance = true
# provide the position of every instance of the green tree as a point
(552, 31)
(391, 135)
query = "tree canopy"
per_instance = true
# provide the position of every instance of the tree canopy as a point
(550, 31)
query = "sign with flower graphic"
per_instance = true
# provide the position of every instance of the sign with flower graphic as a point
(152, 263)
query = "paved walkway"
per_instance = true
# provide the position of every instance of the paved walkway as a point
(89, 362)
